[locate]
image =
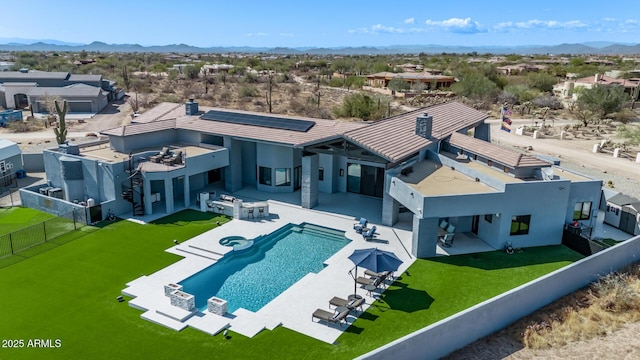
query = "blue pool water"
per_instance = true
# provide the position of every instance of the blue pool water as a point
(251, 278)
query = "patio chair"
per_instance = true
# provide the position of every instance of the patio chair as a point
(173, 160)
(158, 157)
(447, 240)
(384, 274)
(349, 304)
(377, 281)
(369, 234)
(359, 227)
(330, 317)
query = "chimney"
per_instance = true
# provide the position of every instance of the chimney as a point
(424, 124)
(597, 78)
(191, 107)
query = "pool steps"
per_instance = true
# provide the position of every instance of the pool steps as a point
(202, 253)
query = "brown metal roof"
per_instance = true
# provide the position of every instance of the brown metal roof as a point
(323, 129)
(394, 138)
(141, 128)
(494, 152)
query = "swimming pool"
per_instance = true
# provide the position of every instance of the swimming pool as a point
(252, 278)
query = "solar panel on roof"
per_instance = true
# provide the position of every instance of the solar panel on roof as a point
(259, 120)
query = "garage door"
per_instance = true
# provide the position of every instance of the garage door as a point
(84, 107)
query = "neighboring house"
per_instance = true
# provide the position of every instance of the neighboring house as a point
(6, 65)
(80, 98)
(10, 162)
(622, 212)
(432, 82)
(519, 69)
(18, 89)
(568, 88)
(208, 69)
(420, 162)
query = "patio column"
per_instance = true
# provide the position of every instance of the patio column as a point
(168, 195)
(233, 171)
(482, 132)
(309, 191)
(148, 201)
(425, 237)
(187, 196)
(390, 207)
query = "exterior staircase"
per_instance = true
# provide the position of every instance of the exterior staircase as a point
(133, 185)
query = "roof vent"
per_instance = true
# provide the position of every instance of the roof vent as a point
(424, 125)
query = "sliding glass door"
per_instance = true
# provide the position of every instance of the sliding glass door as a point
(365, 179)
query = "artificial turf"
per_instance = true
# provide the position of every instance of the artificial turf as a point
(69, 293)
(15, 218)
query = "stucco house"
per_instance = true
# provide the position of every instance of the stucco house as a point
(424, 163)
(432, 81)
(10, 162)
(85, 93)
(622, 211)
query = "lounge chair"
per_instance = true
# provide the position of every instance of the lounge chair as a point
(359, 227)
(174, 159)
(330, 317)
(384, 274)
(159, 156)
(349, 304)
(376, 281)
(369, 234)
(446, 240)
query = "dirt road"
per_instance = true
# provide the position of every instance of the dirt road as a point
(575, 154)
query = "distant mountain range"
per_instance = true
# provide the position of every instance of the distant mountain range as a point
(595, 48)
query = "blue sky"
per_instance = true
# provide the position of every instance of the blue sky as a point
(326, 23)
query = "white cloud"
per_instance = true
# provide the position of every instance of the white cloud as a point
(381, 29)
(286, 34)
(410, 21)
(258, 34)
(457, 25)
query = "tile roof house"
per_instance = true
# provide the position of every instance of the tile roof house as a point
(420, 164)
(433, 82)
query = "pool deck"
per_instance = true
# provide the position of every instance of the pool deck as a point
(292, 308)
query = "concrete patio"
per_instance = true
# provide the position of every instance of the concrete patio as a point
(291, 309)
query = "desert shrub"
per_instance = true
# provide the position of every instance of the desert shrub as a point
(336, 82)
(250, 78)
(26, 126)
(624, 116)
(225, 96)
(507, 97)
(549, 101)
(294, 90)
(248, 91)
(174, 98)
(604, 307)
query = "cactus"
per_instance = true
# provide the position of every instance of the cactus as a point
(61, 130)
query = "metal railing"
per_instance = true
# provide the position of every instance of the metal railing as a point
(48, 230)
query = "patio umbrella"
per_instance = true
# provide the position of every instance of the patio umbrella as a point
(375, 260)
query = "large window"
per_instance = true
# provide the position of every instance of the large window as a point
(582, 211)
(520, 224)
(283, 177)
(264, 175)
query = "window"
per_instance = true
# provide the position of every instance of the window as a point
(488, 217)
(506, 169)
(264, 175)
(489, 163)
(283, 177)
(321, 174)
(520, 224)
(582, 211)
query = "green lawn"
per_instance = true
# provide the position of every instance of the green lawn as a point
(12, 219)
(69, 293)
